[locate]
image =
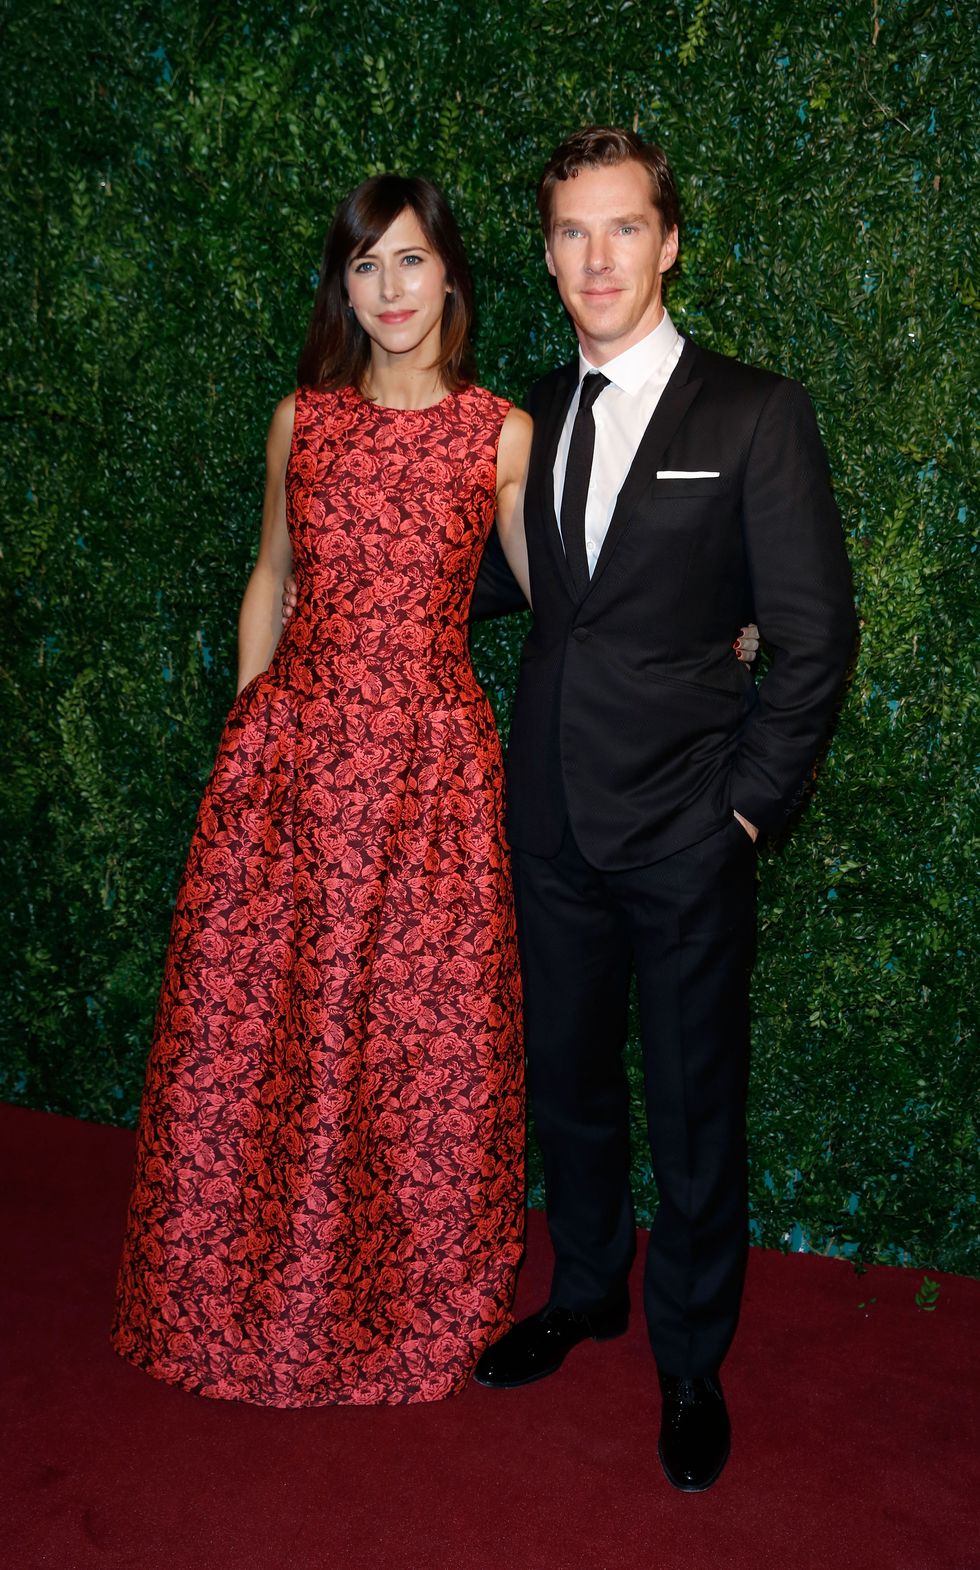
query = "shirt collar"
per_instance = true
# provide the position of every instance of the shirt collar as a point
(634, 367)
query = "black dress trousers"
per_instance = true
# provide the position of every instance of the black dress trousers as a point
(686, 924)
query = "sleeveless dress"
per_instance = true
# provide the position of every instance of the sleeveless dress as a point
(328, 1198)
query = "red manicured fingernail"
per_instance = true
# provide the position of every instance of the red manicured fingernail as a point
(737, 645)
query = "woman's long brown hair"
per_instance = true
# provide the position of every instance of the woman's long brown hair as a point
(337, 351)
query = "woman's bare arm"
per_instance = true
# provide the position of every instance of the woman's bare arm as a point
(512, 455)
(260, 621)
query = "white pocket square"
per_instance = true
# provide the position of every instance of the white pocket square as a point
(688, 474)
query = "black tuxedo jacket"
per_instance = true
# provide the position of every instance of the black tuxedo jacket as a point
(632, 716)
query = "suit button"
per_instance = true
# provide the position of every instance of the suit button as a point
(581, 634)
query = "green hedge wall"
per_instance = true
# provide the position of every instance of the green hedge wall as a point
(169, 170)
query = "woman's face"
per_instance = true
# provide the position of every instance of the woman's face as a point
(398, 290)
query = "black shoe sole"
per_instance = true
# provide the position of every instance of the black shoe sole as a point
(546, 1373)
(694, 1488)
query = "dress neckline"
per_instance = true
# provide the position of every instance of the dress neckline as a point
(392, 411)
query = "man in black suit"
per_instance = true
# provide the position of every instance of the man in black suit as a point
(670, 492)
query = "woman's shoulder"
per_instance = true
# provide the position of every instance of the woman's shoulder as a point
(489, 400)
(505, 424)
(284, 413)
(307, 396)
(281, 427)
(314, 407)
(507, 420)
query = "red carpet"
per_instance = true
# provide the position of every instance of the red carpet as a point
(855, 1430)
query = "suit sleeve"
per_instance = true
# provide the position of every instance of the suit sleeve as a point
(801, 584)
(497, 592)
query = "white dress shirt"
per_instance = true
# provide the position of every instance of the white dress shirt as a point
(622, 412)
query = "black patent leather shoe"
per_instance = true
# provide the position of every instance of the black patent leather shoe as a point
(538, 1346)
(695, 1434)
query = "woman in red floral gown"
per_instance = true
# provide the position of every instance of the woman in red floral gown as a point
(328, 1198)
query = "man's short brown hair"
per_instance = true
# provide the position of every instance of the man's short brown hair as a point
(601, 146)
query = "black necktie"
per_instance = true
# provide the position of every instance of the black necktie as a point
(578, 471)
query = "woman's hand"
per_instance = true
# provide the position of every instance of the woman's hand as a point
(746, 645)
(289, 598)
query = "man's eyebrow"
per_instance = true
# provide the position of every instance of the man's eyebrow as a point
(626, 218)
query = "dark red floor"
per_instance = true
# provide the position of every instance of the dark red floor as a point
(855, 1430)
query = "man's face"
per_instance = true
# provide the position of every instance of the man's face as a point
(608, 252)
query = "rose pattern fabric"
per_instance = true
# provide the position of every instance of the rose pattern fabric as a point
(328, 1197)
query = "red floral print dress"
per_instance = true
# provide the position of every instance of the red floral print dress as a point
(328, 1198)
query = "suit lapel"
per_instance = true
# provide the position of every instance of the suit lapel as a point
(547, 434)
(675, 400)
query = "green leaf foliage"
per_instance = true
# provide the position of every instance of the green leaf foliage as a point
(168, 172)
(928, 1294)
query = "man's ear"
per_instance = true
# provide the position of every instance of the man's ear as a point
(668, 253)
(549, 260)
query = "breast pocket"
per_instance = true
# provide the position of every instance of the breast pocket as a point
(679, 490)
